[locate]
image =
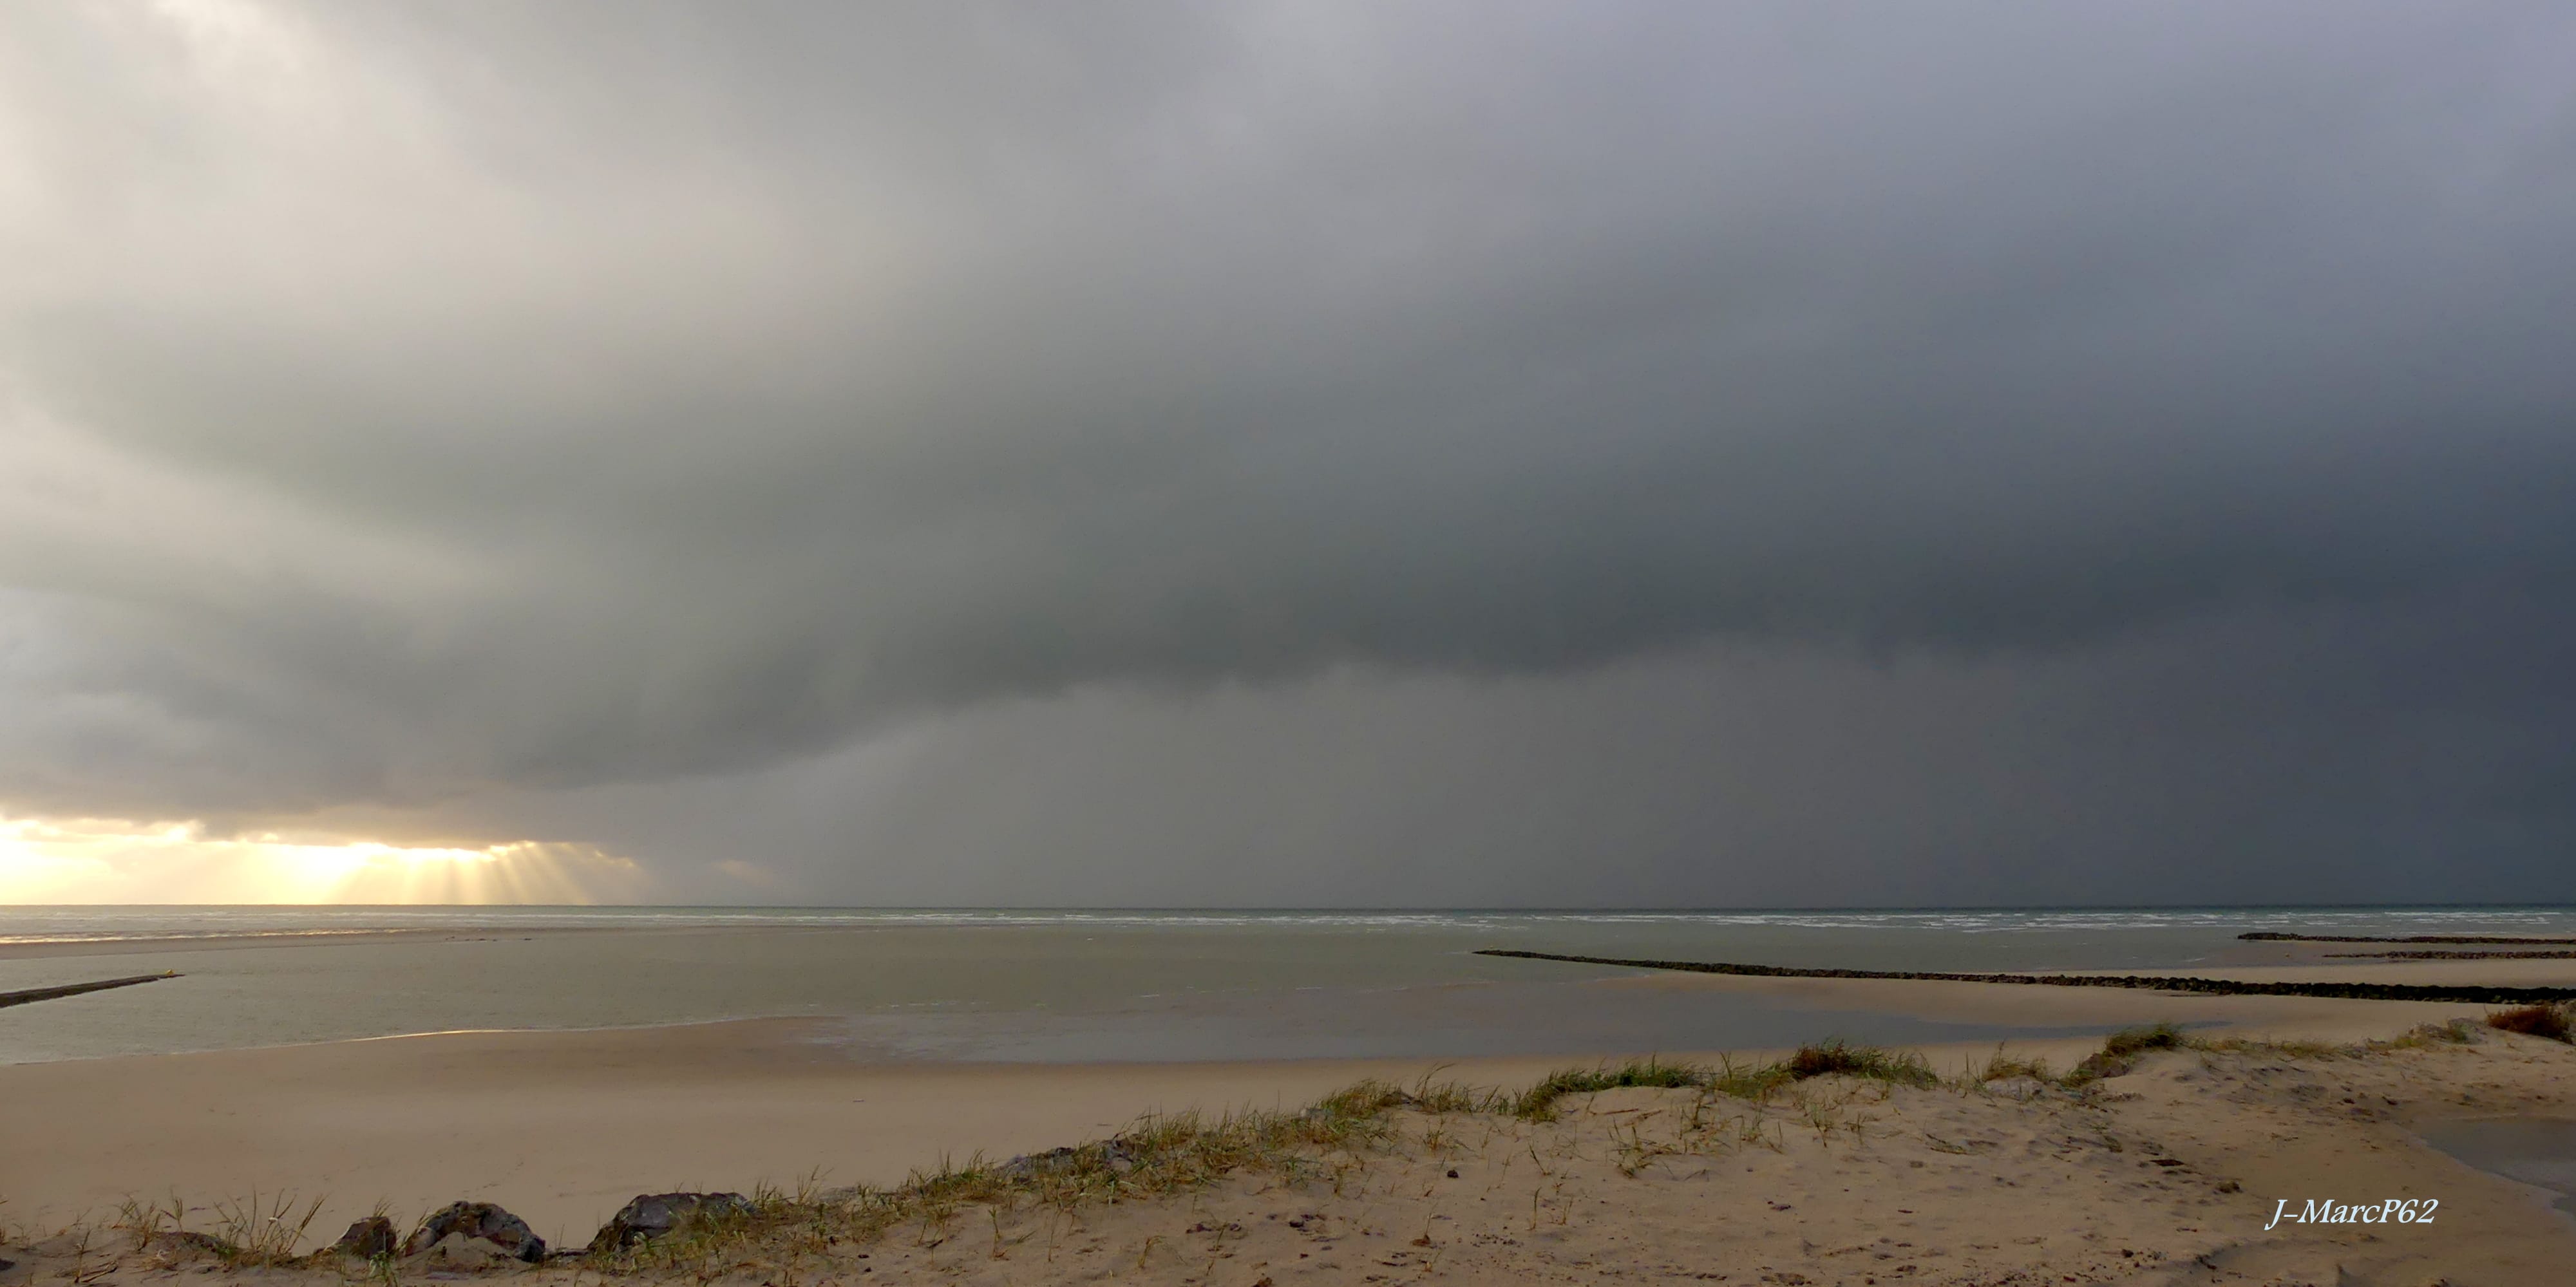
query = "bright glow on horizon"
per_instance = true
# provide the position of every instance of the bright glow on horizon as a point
(109, 860)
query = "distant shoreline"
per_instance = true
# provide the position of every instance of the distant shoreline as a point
(31, 948)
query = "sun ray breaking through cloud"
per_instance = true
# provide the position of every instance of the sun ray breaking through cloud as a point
(85, 860)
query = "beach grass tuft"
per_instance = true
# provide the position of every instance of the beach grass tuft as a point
(1446, 1097)
(2549, 1021)
(260, 1232)
(1836, 1058)
(1538, 1103)
(2003, 1067)
(2457, 1032)
(250, 1232)
(1822, 1059)
(2134, 1041)
(2120, 1051)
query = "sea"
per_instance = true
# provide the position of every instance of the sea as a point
(1002, 985)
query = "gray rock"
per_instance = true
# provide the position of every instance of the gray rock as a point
(368, 1239)
(456, 1251)
(2021, 1088)
(656, 1215)
(183, 1243)
(1112, 1154)
(478, 1220)
(1054, 1161)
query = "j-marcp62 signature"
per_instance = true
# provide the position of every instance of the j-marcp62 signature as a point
(2384, 1211)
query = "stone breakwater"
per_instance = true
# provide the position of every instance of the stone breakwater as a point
(2469, 994)
(2274, 936)
(2439, 954)
(75, 989)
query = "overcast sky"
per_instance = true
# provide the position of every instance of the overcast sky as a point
(1299, 454)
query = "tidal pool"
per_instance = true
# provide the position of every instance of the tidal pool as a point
(2535, 1150)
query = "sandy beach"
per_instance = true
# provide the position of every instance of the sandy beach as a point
(563, 1127)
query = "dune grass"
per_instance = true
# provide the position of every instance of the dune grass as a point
(2549, 1021)
(2002, 1067)
(254, 1231)
(1158, 1155)
(2120, 1051)
(2457, 1032)
(1325, 1143)
(1829, 1058)
(1538, 1102)
(1868, 1062)
(2128, 1042)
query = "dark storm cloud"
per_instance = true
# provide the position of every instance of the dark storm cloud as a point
(404, 404)
(2354, 753)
